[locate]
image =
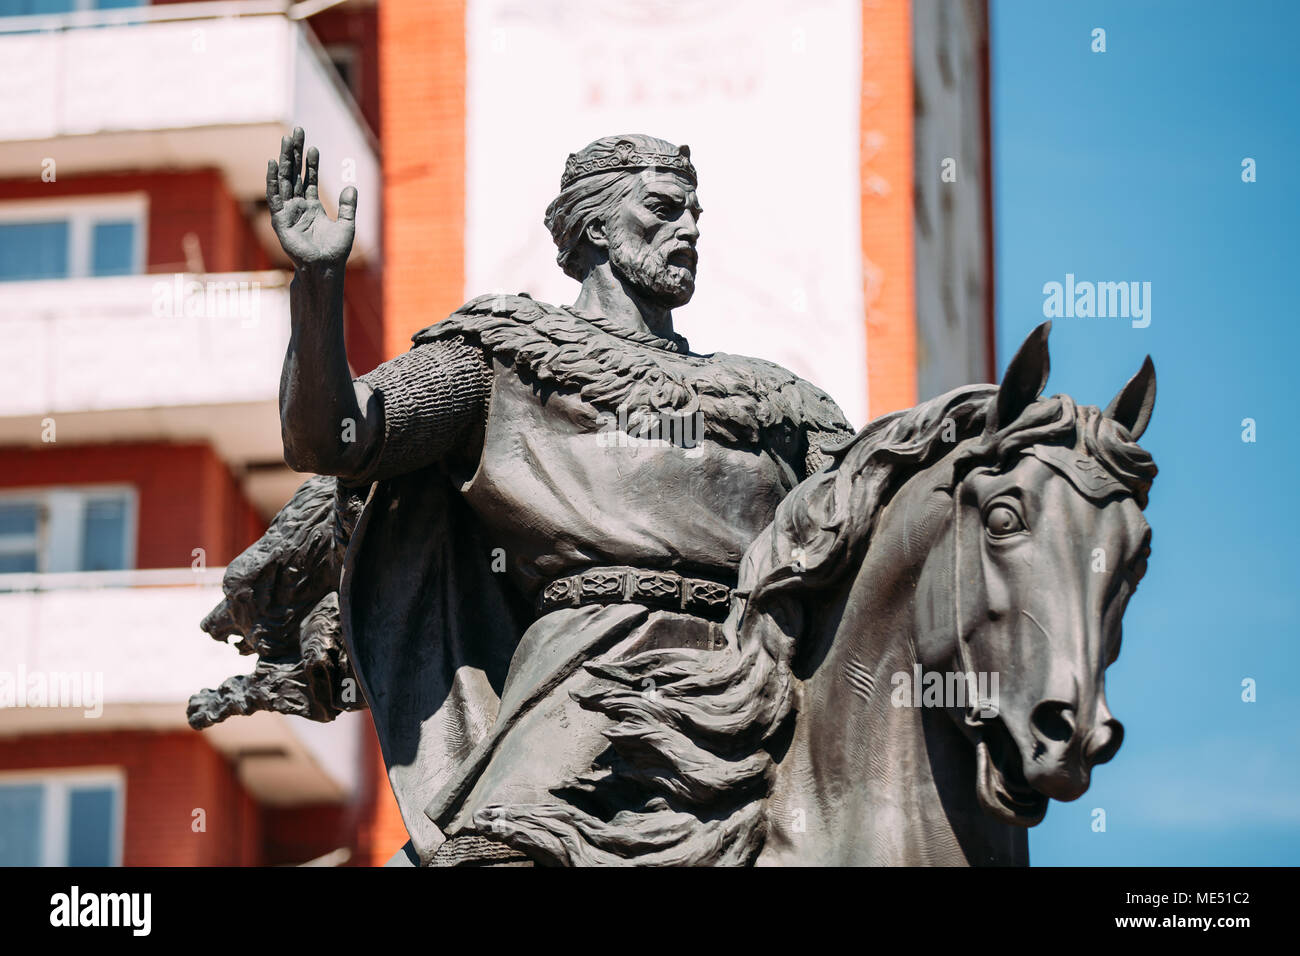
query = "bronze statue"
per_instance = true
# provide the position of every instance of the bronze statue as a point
(612, 601)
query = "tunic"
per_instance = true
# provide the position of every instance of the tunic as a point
(579, 445)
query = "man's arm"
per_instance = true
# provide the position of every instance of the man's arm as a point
(432, 404)
(328, 423)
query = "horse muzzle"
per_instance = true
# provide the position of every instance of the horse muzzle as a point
(1061, 754)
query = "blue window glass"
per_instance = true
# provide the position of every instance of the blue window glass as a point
(112, 248)
(103, 535)
(18, 537)
(17, 518)
(20, 825)
(23, 562)
(26, 8)
(33, 250)
(90, 826)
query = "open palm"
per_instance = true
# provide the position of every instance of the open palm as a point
(307, 234)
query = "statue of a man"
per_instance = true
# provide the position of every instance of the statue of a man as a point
(529, 497)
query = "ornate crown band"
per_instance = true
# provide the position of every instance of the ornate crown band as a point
(625, 155)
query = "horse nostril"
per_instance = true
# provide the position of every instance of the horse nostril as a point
(1053, 720)
(1103, 743)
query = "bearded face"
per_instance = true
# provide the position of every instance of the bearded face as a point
(652, 236)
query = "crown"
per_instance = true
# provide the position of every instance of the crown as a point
(624, 155)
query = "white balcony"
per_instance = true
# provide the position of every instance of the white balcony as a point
(181, 86)
(151, 358)
(129, 644)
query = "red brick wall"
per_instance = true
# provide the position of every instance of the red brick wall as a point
(168, 776)
(194, 201)
(887, 215)
(363, 296)
(187, 496)
(294, 835)
(422, 101)
(380, 830)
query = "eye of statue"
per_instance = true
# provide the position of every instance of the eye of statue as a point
(663, 203)
(1002, 521)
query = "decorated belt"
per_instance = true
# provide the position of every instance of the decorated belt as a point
(666, 589)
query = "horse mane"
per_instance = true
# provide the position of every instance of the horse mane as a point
(823, 527)
(689, 767)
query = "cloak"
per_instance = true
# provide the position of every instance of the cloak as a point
(430, 631)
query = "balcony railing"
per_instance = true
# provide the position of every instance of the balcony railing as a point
(125, 650)
(89, 580)
(144, 357)
(143, 341)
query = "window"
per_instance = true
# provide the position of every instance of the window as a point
(19, 541)
(72, 239)
(112, 248)
(344, 58)
(103, 533)
(67, 529)
(24, 8)
(61, 819)
(34, 250)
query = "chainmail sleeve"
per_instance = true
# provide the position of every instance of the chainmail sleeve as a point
(819, 440)
(434, 400)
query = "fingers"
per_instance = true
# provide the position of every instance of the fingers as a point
(273, 187)
(348, 204)
(285, 172)
(313, 173)
(299, 184)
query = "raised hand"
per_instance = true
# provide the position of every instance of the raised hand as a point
(306, 233)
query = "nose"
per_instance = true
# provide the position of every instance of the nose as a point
(1103, 743)
(688, 229)
(1053, 722)
(1055, 766)
(1064, 754)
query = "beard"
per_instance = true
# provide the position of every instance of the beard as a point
(649, 269)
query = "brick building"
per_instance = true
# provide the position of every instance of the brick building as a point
(144, 315)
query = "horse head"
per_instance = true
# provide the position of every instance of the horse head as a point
(988, 535)
(1046, 543)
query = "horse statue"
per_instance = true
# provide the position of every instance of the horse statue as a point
(912, 667)
(986, 533)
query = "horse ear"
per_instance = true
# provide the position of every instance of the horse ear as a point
(1024, 378)
(1133, 405)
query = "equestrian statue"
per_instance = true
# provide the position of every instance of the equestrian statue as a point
(611, 601)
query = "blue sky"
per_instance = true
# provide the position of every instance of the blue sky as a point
(1126, 166)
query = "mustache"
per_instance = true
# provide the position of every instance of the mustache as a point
(683, 252)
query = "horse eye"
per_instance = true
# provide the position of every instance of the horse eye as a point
(1003, 521)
